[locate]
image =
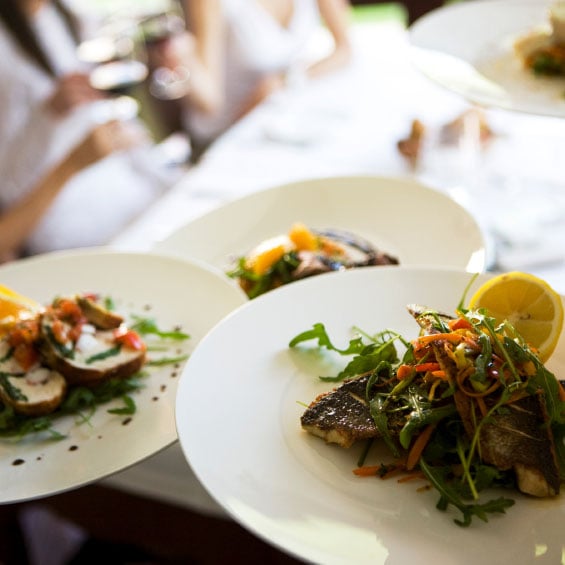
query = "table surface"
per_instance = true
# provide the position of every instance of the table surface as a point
(349, 124)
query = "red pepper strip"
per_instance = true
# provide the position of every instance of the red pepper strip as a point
(459, 324)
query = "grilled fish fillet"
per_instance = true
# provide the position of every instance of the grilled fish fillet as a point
(342, 415)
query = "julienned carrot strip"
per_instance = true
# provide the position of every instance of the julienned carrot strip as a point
(449, 336)
(404, 371)
(423, 367)
(432, 392)
(367, 471)
(411, 477)
(440, 374)
(418, 447)
(381, 471)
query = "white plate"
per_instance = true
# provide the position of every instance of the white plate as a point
(291, 488)
(468, 48)
(417, 224)
(171, 291)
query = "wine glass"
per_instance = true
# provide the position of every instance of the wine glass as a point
(159, 30)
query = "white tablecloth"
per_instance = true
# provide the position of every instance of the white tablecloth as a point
(348, 124)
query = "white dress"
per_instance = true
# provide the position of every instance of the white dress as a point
(96, 203)
(255, 45)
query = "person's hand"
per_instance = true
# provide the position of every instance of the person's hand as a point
(104, 140)
(177, 51)
(72, 90)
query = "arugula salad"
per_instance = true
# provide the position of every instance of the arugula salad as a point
(467, 406)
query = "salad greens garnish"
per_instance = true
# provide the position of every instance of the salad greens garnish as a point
(280, 272)
(432, 402)
(83, 401)
(148, 326)
(166, 361)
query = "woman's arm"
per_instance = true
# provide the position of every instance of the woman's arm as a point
(203, 54)
(335, 14)
(17, 223)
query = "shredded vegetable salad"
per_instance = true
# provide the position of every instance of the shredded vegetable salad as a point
(467, 406)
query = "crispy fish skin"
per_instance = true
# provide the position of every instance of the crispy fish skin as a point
(426, 318)
(342, 415)
(521, 439)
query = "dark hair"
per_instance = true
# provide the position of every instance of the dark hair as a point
(16, 21)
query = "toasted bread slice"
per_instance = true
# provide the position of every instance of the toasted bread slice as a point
(35, 392)
(95, 358)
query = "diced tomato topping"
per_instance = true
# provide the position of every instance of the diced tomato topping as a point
(68, 310)
(26, 332)
(26, 355)
(74, 331)
(129, 338)
(60, 332)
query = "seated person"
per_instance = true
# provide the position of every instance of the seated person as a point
(17, 223)
(239, 51)
(48, 108)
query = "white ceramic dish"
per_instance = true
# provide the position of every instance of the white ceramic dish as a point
(417, 224)
(173, 292)
(295, 491)
(467, 47)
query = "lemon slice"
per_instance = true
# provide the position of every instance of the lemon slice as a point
(528, 303)
(15, 307)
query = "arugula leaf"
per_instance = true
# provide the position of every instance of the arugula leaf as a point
(166, 361)
(377, 407)
(128, 409)
(448, 495)
(362, 364)
(366, 356)
(319, 333)
(421, 417)
(280, 272)
(146, 326)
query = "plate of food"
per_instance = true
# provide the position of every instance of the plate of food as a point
(308, 227)
(517, 63)
(92, 344)
(281, 376)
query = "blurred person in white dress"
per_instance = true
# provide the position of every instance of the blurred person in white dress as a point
(47, 107)
(238, 52)
(20, 220)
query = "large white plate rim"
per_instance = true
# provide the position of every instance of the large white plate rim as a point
(405, 212)
(453, 47)
(334, 531)
(88, 455)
